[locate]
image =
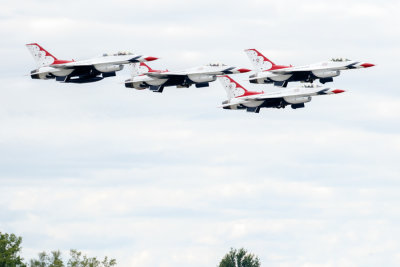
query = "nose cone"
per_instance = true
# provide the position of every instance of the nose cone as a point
(150, 58)
(243, 70)
(338, 91)
(367, 65)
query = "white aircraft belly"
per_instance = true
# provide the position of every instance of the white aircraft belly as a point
(156, 82)
(272, 76)
(62, 72)
(148, 80)
(252, 104)
(280, 78)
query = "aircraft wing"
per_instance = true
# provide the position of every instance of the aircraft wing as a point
(291, 71)
(284, 93)
(99, 61)
(44, 71)
(70, 65)
(297, 70)
(315, 67)
(194, 71)
(234, 104)
(164, 75)
(276, 95)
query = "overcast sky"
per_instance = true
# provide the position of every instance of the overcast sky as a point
(170, 179)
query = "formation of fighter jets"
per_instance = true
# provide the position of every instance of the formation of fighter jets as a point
(144, 77)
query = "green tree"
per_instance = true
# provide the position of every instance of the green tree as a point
(239, 258)
(45, 260)
(10, 249)
(56, 260)
(79, 260)
(42, 261)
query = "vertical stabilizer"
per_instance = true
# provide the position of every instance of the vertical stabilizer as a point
(259, 61)
(40, 55)
(140, 68)
(234, 89)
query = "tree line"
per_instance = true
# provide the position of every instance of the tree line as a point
(10, 256)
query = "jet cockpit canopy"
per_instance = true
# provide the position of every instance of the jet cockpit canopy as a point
(216, 65)
(340, 59)
(120, 53)
(310, 85)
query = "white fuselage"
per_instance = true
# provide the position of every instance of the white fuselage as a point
(281, 97)
(306, 73)
(90, 67)
(196, 75)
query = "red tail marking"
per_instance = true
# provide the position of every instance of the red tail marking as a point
(61, 61)
(56, 61)
(278, 67)
(150, 69)
(261, 55)
(274, 66)
(142, 64)
(44, 50)
(246, 92)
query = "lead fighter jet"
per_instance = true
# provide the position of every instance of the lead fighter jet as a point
(145, 77)
(240, 98)
(268, 72)
(84, 71)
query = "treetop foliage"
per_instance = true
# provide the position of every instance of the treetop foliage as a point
(239, 258)
(77, 259)
(10, 249)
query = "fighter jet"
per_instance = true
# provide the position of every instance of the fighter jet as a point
(268, 72)
(240, 98)
(145, 77)
(85, 71)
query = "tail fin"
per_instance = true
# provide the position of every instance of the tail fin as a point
(259, 61)
(234, 89)
(40, 55)
(140, 68)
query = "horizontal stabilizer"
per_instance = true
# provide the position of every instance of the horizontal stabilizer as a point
(253, 109)
(200, 85)
(108, 74)
(157, 88)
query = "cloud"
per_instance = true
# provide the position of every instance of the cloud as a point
(171, 180)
